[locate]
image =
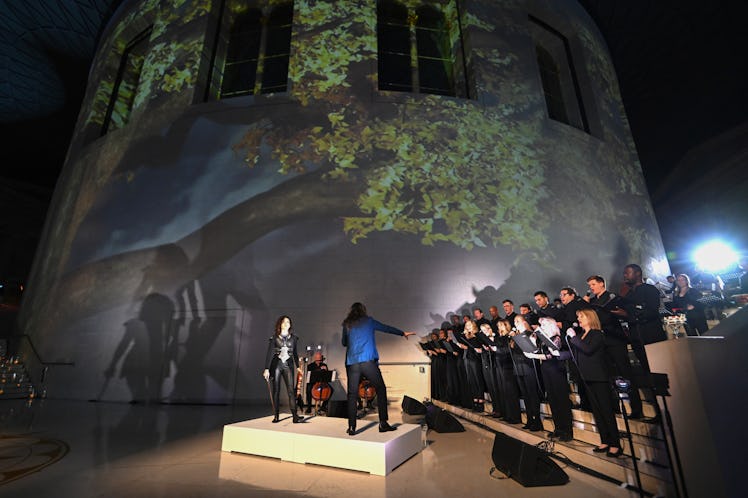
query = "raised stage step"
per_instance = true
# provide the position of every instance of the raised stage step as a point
(323, 441)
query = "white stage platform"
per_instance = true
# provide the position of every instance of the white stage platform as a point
(323, 441)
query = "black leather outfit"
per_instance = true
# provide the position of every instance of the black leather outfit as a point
(285, 370)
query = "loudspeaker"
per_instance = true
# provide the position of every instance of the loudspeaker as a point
(413, 407)
(441, 420)
(337, 408)
(525, 463)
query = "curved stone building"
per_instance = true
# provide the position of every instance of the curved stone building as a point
(238, 160)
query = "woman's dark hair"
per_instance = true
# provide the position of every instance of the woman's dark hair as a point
(358, 311)
(279, 321)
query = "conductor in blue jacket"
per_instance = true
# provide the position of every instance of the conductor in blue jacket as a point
(362, 358)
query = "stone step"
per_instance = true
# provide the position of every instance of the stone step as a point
(655, 476)
(14, 380)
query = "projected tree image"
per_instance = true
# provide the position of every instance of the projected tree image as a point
(432, 196)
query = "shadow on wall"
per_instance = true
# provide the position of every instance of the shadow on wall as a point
(183, 347)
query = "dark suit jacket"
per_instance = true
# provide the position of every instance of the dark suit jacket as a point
(590, 355)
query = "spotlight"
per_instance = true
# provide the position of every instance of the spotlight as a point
(715, 256)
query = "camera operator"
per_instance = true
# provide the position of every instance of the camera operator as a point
(614, 337)
(641, 309)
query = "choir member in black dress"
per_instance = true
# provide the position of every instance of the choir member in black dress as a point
(489, 369)
(527, 378)
(589, 354)
(473, 364)
(505, 374)
(553, 368)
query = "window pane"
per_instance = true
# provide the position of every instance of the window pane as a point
(430, 43)
(435, 76)
(391, 38)
(395, 73)
(278, 41)
(238, 79)
(392, 13)
(393, 47)
(275, 74)
(244, 38)
(242, 53)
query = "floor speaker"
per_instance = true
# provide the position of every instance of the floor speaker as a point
(525, 463)
(441, 420)
(337, 408)
(413, 407)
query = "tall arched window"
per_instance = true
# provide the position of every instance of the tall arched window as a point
(414, 49)
(563, 97)
(258, 50)
(126, 85)
(394, 47)
(435, 67)
(551, 80)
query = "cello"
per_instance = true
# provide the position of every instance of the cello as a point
(366, 392)
(321, 391)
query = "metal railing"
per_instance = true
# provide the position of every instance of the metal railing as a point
(36, 367)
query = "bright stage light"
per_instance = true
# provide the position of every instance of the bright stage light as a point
(714, 256)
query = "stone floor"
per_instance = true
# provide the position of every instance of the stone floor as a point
(55, 448)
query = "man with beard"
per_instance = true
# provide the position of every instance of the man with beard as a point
(641, 309)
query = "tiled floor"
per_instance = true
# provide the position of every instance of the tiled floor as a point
(63, 449)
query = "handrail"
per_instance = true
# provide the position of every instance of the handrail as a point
(38, 357)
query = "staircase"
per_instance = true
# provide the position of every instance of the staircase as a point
(649, 445)
(14, 379)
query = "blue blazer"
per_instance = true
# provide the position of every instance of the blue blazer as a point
(360, 340)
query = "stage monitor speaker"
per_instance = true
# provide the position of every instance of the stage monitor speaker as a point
(413, 407)
(525, 463)
(337, 408)
(441, 420)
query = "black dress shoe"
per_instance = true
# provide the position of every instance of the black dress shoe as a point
(297, 419)
(351, 431)
(616, 454)
(597, 449)
(276, 419)
(565, 437)
(385, 427)
(536, 427)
